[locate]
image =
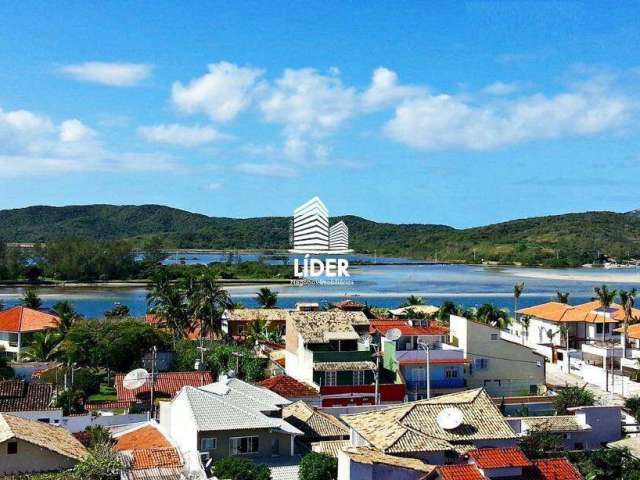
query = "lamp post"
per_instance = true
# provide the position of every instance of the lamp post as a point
(426, 348)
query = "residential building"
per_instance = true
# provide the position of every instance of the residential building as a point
(229, 417)
(502, 367)
(311, 227)
(366, 463)
(29, 446)
(315, 424)
(19, 324)
(236, 322)
(508, 463)
(586, 428)
(408, 356)
(330, 351)
(291, 389)
(31, 400)
(350, 306)
(339, 237)
(412, 430)
(411, 311)
(165, 385)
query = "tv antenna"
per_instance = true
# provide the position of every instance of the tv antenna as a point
(450, 418)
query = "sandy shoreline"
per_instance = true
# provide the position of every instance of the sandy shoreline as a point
(587, 277)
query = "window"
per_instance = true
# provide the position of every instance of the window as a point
(208, 444)
(43, 420)
(359, 377)
(495, 336)
(451, 373)
(241, 330)
(482, 363)
(598, 328)
(275, 446)
(12, 448)
(243, 445)
(13, 339)
(330, 379)
(578, 446)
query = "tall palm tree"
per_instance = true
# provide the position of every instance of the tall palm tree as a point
(31, 299)
(494, 316)
(627, 300)
(267, 298)
(413, 300)
(562, 297)
(518, 288)
(207, 302)
(67, 315)
(550, 335)
(606, 297)
(563, 331)
(44, 346)
(167, 302)
(525, 321)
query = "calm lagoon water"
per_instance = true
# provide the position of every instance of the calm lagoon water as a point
(382, 285)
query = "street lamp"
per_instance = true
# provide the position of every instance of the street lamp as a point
(427, 348)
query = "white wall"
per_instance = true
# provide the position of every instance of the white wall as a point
(177, 420)
(54, 416)
(79, 423)
(31, 459)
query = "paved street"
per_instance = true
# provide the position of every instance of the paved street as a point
(556, 377)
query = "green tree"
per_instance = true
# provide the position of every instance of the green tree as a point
(98, 435)
(627, 300)
(572, 396)
(186, 354)
(605, 297)
(267, 298)
(606, 464)
(153, 251)
(239, 468)
(44, 346)
(207, 302)
(518, 288)
(67, 315)
(412, 300)
(447, 309)
(119, 310)
(102, 463)
(168, 303)
(525, 322)
(489, 314)
(318, 466)
(561, 297)
(31, 299)
(224, 357)
(71, 401)
(540, 443)
(5, 370)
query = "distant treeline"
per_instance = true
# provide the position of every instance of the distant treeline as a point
(559, 240)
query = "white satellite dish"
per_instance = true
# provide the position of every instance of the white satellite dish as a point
(135, 379)
(393, 334)
(365, 339)
(450, 418)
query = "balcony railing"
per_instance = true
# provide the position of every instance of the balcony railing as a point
(349, 356)
(437, 383)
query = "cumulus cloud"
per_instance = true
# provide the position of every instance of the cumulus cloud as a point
(187, 136)
(221, 94)
(75, 131)
(501, 88)
(385, 90)
(439, 122)
(106, 73)
(266, 169)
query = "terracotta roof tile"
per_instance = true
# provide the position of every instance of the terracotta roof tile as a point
(20, 396)
(150, 458)
(144, 437)
(499, 458)
(23, 319)
(590, 312)
(460, 472)
(330, 447)
(553, 469)
(314, 423)
(167, 383)
(322, 327)
(385, 325)
(371, 456)
(288, 387)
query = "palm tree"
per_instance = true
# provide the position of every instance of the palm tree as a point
(67, 315)
(525, 321)
(207, 302)
(447, 309)
(412, 300)
(494, 316)
(167, 302)
(606, 297)
(267, 298)
(550, 335)
(627, 300)
(562, 297)
(563, 330)
(518, 288)
(31, 299)
(44, 346)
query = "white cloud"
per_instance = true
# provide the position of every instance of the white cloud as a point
(221, 94)
(384, 90)
(75, 131)
(112, 74)
(446, 122)
(501, 88)
(176, 134)
(266, 169)
(214, 186)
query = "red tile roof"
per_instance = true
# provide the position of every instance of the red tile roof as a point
(20, 396)
(288, 387)
(166, 384)
(141, 438)
(155, 458)
(23, 319)
(554, 469)
(192, 334)
(459, 472)
(499, 458)
(383, 326)
(350, 305)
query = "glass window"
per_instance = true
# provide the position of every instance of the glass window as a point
(481, 363)
(331, 378)
(208, 444)
(12, 448)
(243, 445)
(359, 377)
(598, 328)
(451, 373)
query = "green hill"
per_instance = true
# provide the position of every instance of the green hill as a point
(570, 239)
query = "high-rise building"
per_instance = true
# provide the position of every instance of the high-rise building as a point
(311, 227)
(339, 237)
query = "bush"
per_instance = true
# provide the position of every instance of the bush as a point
(573, 396)
(186, 355)
(221, 359)
(318, 466)
(606, 464)
(238, 468)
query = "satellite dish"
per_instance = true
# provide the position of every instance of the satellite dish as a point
(135, 379)
(450, 418)
(393, 334)
(365, 338)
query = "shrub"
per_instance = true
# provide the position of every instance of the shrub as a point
(238, 468)
(318, 466)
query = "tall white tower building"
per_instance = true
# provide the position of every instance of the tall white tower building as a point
(311, 227)
(339, 237)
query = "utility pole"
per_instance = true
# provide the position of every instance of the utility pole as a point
(377, 354)
(154, 353)
(426, 348)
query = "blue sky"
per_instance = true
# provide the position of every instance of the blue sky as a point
(415, 112)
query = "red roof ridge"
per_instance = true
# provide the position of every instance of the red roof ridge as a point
(505, 457)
